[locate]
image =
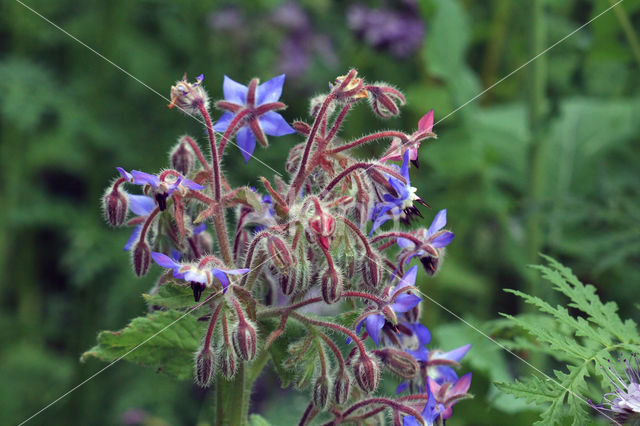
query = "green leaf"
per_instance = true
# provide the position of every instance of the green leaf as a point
(173, 297)
(258, 420)
(279, 348)
(164, 340)
(581, 340)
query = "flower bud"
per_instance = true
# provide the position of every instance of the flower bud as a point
(372, 270)
(341, 388)
(323, 225)
(280, 254)
(227, 362)
(182, 157)
(413, 314)
(384, 99)
(205, 367)
(331, 286)
(189, 97)
(141, 257)
(115, 203)
(321, 392)
(288, 282)
(366, 371)
(398, 362)
(389, 314)
(245, 341)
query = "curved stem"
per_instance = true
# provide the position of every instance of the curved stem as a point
(336, 124)
(334, 349)
(395, 234)
(198, 152)
(212, 325)
(369, 138)
(358, 233)
(278, 311)
(231, 129)
(356, 166)
(388, 402)
(147, 223)
(118, 182)
(333, 326)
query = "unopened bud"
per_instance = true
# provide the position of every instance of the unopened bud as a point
(389, 314)
(115, 204)
(413, 314)
(182, 157)
(341, 388)
(398, 362)
(372, 270)
(288, 282)
(280, 254)
(384, 99)
(367, 373)
(323, 225)
(227, 362)
(321, 392)
(245, 341)
(141, 257)
(331, 286)
(205, 367)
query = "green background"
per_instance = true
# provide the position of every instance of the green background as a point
(547, 161)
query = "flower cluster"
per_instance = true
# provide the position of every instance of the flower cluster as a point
(331, 233)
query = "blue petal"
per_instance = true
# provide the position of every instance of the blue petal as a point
(405, 302)
(236, 271)
(273, 124)
(270, 90)
(373, 324)
(404, 171)
(191, 184)
(200, 228)
(175, 254)
(409, 421)
(442, 240)
(141, 205)
(422, 332)
(402, 387)
(132, 238)
(165, 261)
(142, 178)
(408, 279)
(234, 91)
(438, 222)
(223, 122)
(420, 354)
(125, 174)
(246, 142)
(404, 243)
(456, 354)
(222, 277)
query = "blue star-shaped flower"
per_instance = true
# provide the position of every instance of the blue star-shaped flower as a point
(257, 104)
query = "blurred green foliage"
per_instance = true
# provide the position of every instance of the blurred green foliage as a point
(67, 118)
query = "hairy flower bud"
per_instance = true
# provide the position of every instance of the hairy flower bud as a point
(189, 97)
(431, 263)
(227, 362)
(245, 341)
(341, 387)
(205, 367)
(372, 270)
(182, 157)
(398, 362)
(321, 392)
(115, 203)
(280, 254)
(323, 225)
(366, 371)
(384, 99)
(141, 257)
(331, 286)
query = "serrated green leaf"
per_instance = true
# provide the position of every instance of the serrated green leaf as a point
(164, 340)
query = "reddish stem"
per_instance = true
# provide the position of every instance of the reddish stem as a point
(385, 401)
(198, 152)
(231, 128)
(358, 233)
(119, 182)
(212, 325)
(356, 166)
(369, 138)
(395, 234)
(333, 326)
(336, 124)
(215, 162)
(147, 222)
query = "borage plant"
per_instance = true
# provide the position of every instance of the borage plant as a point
(262, 290)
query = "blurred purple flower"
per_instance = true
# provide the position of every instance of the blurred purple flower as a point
(399, 31)
(430, 412)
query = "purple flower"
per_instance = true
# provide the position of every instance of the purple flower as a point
(163, 185)
(400, 206)
(200, 276)
(142, 206)
(399, 303)
(624, 401)
(430, 412)
(435, 237)
(439, 364)
(258, 106)
(449, 394)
